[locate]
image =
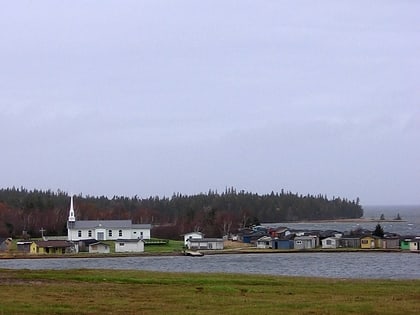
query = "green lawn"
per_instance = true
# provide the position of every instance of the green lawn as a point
(141, 292)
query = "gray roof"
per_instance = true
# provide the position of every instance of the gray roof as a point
(109, 224)
(201, 240)
(142, 226)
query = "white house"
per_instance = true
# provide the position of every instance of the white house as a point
(133, 246)
(330, 242)
(205, 243)
(196, 235)
(264, 242)
(102, 230)
(99, 248)
(415, 244)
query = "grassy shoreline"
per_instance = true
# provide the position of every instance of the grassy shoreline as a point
(144, 292)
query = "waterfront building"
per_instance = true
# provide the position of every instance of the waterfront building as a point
(102, 230)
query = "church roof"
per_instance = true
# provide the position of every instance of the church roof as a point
(109, 224)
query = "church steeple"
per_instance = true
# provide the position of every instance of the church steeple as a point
(72, 218)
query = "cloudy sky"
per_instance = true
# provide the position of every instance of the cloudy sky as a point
(155, 97)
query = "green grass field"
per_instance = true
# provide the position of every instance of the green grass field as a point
(141, 292)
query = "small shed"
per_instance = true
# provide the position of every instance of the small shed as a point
(51, 247)
(405, 242)
(330, 242)
(23, 246)
(391, 243)
(278, 243)
(349, 242)
(99, 248)
(370, 242)
(305, 242)
(129, 246)
(415, 244)
(264, 242)
(205, 243)
(187, 236)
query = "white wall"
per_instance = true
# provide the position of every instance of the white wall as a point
(123, 246)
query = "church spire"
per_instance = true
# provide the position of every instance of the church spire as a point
(72, 218)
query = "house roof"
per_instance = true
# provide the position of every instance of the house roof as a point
(264, 239)
(200, 240)
(50, 244)
(109, 224)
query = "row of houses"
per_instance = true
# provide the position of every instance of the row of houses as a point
(55, 247)
(283, 238)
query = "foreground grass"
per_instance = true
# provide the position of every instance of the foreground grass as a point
(139, 292)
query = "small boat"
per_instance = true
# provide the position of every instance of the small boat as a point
(193, 253)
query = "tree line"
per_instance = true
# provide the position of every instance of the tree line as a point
(213, 213)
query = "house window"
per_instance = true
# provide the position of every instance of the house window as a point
(79, 233)
(328, 242)
(110, 233)
(121, 244)
(90, 233)
(120, 233)
(365, 241)
(298, 242)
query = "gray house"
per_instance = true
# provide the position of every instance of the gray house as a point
(305, 242)
(350, 242)
(205, 243)
(99, 248)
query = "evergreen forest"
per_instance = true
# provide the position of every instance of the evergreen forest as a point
(25, 212)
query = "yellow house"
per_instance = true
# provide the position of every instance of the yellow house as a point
(50, 247)
(370, 242)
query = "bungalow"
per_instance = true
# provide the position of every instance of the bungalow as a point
(330, 242)
(264, 242)
(129, 245)
(305, 242)
(99, 248)
(51, 247)
(205, 243)
(197, 235)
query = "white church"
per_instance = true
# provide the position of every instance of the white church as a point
(103, 230)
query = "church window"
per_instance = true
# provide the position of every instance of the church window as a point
(79, 233)
(141, 234)
(120, 233)
(90, 233)
(110, 233)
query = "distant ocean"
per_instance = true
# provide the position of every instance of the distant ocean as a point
(409, 225)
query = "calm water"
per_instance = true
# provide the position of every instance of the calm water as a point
(331, 265)
(410, 224)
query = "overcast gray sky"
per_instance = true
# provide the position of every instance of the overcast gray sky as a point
(155, 97)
